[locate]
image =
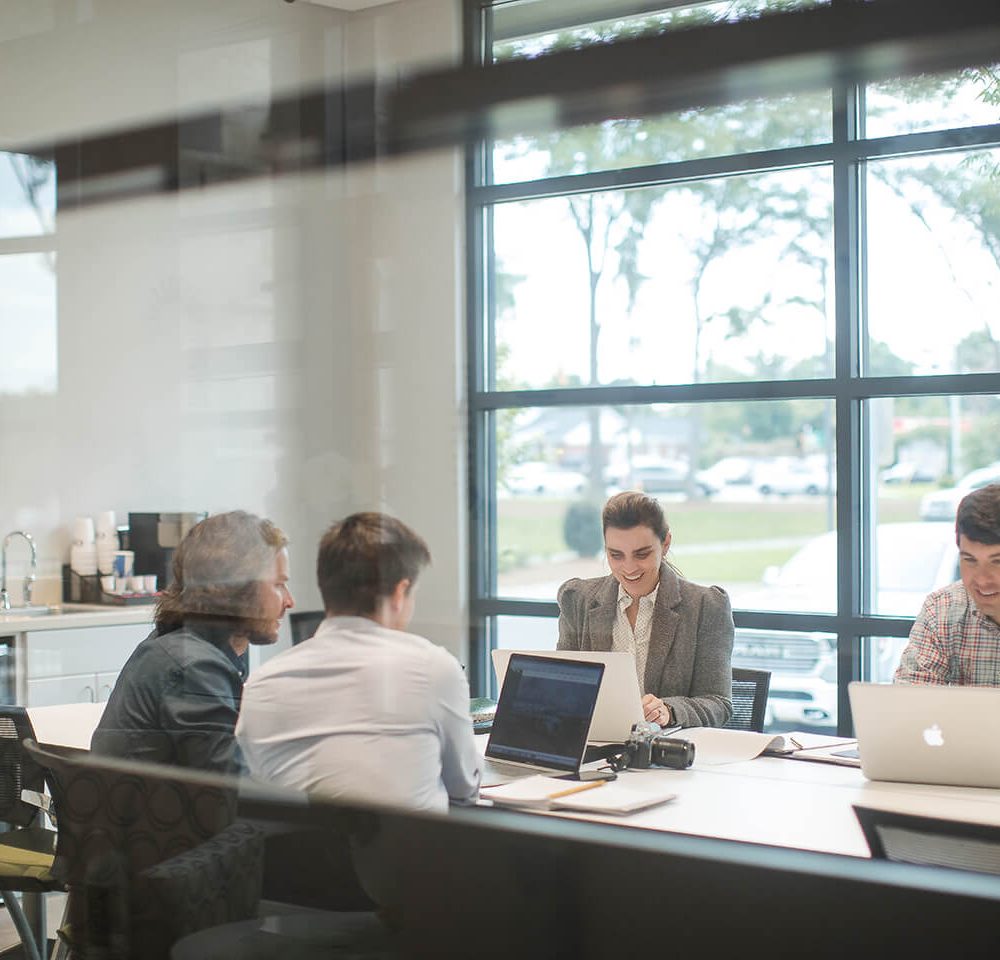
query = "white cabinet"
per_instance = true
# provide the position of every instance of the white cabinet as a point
(77, 665)
(76, 688)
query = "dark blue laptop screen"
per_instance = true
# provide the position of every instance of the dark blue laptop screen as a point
(544, 711)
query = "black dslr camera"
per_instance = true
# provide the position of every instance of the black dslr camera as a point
(646, 748)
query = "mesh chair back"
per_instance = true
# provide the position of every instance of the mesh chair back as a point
(18, 771)
(930, 841)
(750, 688)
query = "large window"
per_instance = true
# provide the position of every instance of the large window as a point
(773, 314)
(27, 275)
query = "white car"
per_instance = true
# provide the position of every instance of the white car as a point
(544, 479)
(912, 560)
(791, 475)
(729, 471)
(907, 471)
(943, 504)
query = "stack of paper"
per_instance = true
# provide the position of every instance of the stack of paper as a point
(714, 745)
(597, 796)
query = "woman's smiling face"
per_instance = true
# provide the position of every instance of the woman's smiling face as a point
(634, 556)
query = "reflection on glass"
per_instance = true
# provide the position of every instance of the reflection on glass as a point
(27, 195)
(28, 325)
(933, 102)
(740, 127)
(525, 29)
(803, 668)
(934, 264)
(715, 280)
(696, 133)
(748, 489)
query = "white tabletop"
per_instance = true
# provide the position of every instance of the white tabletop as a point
(789, 803)
(66, 724)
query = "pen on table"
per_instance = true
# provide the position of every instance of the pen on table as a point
(580, 786)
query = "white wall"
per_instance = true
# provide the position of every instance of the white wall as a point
(293, 347)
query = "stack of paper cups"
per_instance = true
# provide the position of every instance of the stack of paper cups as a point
(83, 553)
(107, 541)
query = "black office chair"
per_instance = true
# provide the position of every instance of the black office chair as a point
(750, 688)
(930, 841)
(149, 853)
(304, 624)
(27, 851)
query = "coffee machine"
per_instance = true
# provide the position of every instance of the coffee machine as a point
(153, 537)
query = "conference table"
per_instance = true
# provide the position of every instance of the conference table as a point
(776, 801)
(783, 802)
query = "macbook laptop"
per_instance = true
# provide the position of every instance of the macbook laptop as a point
(928, 733)
(619, 703)
(543, 717)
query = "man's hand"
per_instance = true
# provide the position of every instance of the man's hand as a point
(655, 710)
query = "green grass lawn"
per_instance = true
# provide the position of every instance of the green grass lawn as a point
(530, 531)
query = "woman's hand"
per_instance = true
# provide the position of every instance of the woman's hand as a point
(656, 711)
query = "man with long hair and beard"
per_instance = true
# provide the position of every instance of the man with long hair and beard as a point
(178, 696)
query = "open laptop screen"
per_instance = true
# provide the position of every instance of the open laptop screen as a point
(544, 711)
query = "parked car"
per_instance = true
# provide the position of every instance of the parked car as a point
(912, 559)
(943, 504)
(729, 471)
(657, 476)
(543, 479)
(792, 475)
(803, 667)
(908, 472)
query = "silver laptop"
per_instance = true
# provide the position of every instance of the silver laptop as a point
(928, 733)
(543, 717)
(619, 703)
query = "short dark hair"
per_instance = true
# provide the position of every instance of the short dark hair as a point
(630, 509)
(217, 570)
(362, 559)
(978, 516)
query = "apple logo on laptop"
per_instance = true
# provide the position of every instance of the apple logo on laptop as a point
(933, 736)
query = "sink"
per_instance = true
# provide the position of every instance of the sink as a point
(35, 610)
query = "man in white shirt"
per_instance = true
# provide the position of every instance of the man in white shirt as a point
(362, 710)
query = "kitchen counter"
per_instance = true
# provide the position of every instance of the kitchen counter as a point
(76, 615)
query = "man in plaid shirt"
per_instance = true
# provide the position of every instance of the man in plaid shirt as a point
(956, 637)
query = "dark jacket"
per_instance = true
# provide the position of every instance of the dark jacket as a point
(176, 701)
(689, 664)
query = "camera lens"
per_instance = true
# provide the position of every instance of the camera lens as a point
(676, 754)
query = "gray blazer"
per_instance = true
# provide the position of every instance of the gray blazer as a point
(689, 664)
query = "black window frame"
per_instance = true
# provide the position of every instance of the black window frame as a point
(848, 388)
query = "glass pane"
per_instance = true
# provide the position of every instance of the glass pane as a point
(748, 489)
(27, 195)
(928, 452)
(718, 280)
(533, 29)
(934, 264)
(933, 102)
(803, 667)
(702, 132)
(884, 654)
(28, 326)
(739, 127)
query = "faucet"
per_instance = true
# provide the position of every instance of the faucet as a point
(28, 580)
